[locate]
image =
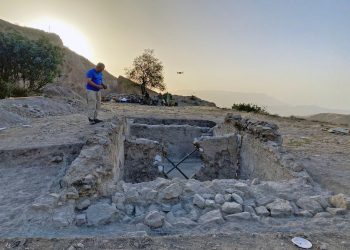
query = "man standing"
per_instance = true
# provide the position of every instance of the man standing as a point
(93, 86)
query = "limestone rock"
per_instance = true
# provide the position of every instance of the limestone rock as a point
(172, 191)
(63, 216)
(342, 131)
(231, 208)
(263, 201)
(241, 216)
(323, 200)
(219, 199)
(100, 213)
(182, 222)
(209, 203)
(154, 219)
(199, 201)
(323, 215)
(237, 198)
(214, 216)
(340, 201)
(304, 213)
(249, 209)
(166, 208)
(129, 209)
(80, 219)
(118, 198)
(262, 211)
(148, 194)
(83, 204)
(228, 197)
(280, 208)
(309, 204)
(132, 195)
(336, 211)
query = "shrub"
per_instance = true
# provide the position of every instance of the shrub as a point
(250, 108)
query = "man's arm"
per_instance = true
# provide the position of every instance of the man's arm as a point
(91, 83)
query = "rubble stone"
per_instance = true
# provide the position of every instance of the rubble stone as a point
(100, 213)
(262, 211)
(171, 192)
(336, 211)
(154, 219)
(280, 208)
(231, 207)
(241, 216)
(214, 216)
(340, 201)
(237, 198)
(83, 204)
(219, 199)
(80, 219)
(199, 201)
(309, 204)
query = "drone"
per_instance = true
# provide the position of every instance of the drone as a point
(180, 72)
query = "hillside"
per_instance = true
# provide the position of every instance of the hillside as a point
(74, 66)
(338, 119)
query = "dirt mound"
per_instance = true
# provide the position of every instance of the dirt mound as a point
(20, 111)
(338, 119)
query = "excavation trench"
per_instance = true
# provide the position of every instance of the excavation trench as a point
(196, 149)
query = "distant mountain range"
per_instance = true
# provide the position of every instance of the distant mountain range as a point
(273, 105)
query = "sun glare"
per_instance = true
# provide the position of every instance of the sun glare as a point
(71, 36)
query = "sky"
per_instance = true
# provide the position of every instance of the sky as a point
(297, 51)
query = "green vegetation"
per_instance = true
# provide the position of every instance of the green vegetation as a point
(27, 65)
(147, 70)
(250, 108)
(167, 99)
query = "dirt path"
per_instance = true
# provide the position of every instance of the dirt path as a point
(236, 240)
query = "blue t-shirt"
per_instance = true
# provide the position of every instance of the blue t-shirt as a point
(96, 77)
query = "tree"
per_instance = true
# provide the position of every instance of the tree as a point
(147, 70)
(27, 65)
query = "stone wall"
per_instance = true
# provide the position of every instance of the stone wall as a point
(140, 155)
(260, 160)
(177, 139)
(196, 123)
(100, 162)
(220, 156)
(261, 154)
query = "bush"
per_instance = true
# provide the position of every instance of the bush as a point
(27, 65)
(250, 108)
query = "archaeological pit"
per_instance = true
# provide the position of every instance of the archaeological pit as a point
(145, 176)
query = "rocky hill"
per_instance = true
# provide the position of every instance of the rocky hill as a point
(74, 66)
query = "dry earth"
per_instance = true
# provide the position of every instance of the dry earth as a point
(325, 156)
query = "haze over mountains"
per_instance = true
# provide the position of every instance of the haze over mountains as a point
(273, 105)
